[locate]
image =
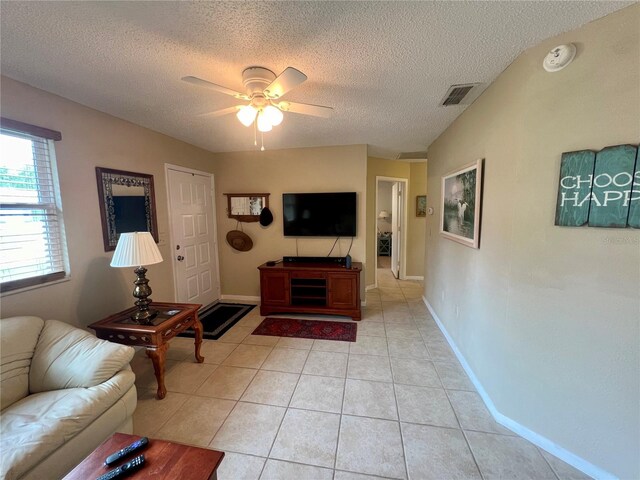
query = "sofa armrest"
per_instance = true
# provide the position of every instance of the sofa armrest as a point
(18, 339)
(68, 357)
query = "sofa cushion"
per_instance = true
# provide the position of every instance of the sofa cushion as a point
(18, 338)
(39, 424)
(67, 357)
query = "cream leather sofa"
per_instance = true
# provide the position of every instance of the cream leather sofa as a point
(62, 393)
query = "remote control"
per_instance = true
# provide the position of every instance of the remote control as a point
(120, 454)
(124, 469)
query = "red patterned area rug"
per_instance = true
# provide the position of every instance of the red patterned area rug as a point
(316, 329)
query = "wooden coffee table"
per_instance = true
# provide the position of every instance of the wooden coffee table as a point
(172, 319)
(162, 460)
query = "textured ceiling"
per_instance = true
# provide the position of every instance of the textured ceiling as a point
(383, 66)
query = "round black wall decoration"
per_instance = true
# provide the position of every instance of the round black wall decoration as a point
(266, 217)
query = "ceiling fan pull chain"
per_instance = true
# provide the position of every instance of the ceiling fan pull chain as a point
(255, 133)
(262, 148)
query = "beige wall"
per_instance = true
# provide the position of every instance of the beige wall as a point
(548, 316)
(89, 139)
(327, 169)
(416, 226)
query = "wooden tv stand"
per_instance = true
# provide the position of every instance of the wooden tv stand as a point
(328, 289)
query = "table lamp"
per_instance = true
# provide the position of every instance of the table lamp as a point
(383, 215)
(136, 249)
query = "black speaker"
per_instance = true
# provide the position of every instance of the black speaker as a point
(325, 260)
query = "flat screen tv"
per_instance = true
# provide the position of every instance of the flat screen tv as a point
(319, 214)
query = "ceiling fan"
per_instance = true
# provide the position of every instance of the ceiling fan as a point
(263, 92)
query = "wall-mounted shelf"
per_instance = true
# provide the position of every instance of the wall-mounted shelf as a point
(246, 207)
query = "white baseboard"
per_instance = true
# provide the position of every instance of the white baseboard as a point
(369, 287)
(414, 277)
(535, 438)
(240, 298)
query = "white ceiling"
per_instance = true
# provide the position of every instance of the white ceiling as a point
(383, 66)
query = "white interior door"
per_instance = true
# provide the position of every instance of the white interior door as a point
(397, 203)
(193, 234)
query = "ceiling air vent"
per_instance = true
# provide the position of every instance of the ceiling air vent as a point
(461, 94)
(412, 156)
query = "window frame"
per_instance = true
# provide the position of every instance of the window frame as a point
(49, 136)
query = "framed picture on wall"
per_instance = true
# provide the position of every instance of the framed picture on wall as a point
(461, 203)
(421, 206)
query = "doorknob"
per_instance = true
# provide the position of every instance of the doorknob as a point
(180, 258)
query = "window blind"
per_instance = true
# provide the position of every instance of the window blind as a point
(32, 249)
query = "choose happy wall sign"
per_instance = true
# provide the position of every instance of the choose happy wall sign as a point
(600, 189)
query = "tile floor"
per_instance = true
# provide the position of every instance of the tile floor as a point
(394, 404)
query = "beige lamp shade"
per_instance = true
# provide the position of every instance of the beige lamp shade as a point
(135, 249)
(383, 214)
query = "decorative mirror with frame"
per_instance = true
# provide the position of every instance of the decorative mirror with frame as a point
(127, 204)
(246, 207)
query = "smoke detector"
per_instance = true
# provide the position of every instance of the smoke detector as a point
(559, 57)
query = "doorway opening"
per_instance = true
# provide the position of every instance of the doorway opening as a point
(391, 220)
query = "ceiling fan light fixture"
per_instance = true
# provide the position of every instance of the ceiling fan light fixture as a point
(247, 115)
(273, 115)
(263, 123)
(263, 87)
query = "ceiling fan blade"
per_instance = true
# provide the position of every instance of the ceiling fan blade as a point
(284, 82)
(219, 88)
(224, 111)
(306, 109)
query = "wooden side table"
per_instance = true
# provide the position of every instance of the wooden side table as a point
(162, 460)
(172, 319)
